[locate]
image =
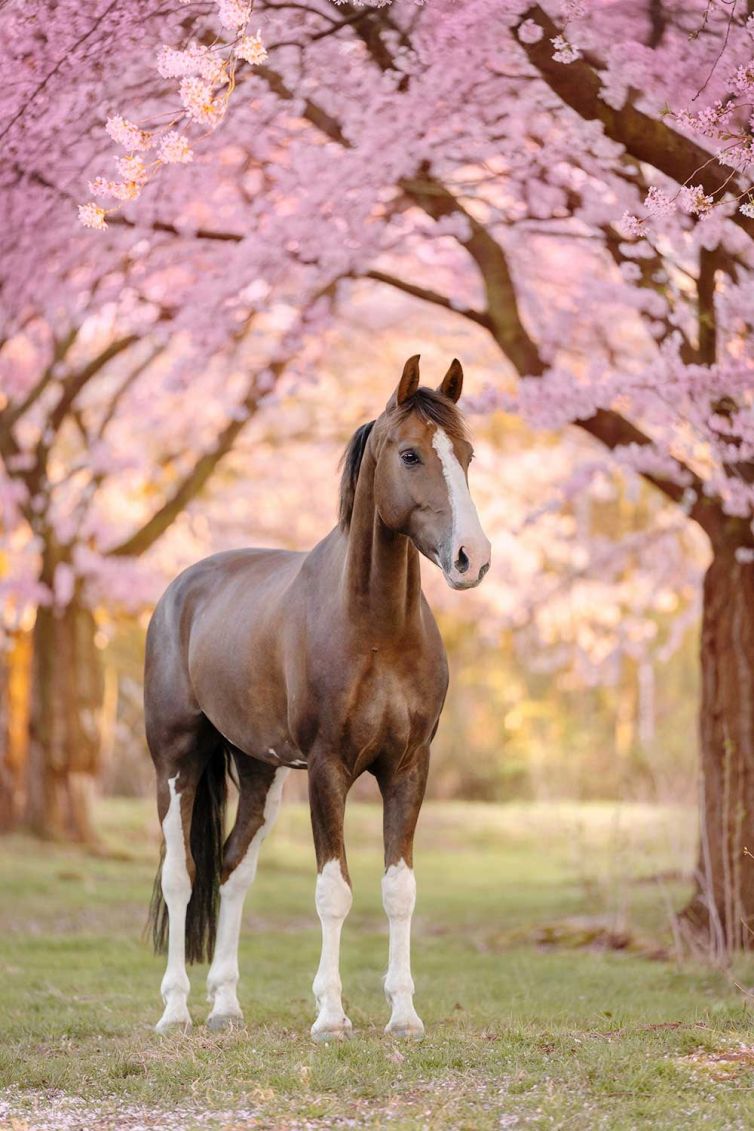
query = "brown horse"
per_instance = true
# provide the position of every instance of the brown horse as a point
(262, 660)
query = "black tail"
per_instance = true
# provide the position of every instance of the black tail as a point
(207, 839)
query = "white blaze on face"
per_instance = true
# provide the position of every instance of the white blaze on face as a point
(466, 530)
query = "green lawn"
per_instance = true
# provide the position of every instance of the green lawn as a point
(543, 962)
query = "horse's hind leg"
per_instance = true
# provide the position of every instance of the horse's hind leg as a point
(179, 766)
(261, 787)
(402, 795)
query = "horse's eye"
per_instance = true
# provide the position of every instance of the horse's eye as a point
(410, 457)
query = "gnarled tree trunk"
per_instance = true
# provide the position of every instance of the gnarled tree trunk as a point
(66, 705)
(720, 915)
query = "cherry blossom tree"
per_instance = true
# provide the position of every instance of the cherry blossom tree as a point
(569, 177)
(104, 450)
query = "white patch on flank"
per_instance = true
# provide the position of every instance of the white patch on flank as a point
(399, 900)
(222, 980)
(333, 899)
(176, 890)
(297, 763)
(466, 529)
(272, 752)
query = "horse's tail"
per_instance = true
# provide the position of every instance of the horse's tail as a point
(207, 839)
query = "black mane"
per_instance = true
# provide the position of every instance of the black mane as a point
(351, 462)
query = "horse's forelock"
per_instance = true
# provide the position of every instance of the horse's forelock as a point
(434, 408)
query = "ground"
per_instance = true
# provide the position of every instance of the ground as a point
(543, 961)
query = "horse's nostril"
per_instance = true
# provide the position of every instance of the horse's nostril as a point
(483, 570)
(462, 562)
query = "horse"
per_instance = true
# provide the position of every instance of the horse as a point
(259, 661)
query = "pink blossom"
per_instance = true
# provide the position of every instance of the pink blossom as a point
(251, 48)
(128, 135)
(632, 225)
(694, 200)
(530, 32)
(199, 103)
(175, 149)
(233, 13)
(116, 190)
(195, 60)
(92, 216)
(132, 168)
(657, 202)
(564, 52)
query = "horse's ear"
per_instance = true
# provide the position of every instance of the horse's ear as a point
(452, 382)
(409, 381)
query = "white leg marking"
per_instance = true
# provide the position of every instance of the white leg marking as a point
(466, 528)
(176, 890)
(399, 899)
(333, 899)
(222, 980)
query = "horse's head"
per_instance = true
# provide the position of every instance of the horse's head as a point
(422, 455)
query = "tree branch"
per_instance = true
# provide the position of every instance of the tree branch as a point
(706, 320)
(645, 138)
(128, 383)
(192, 483)
(428, 295)
(74, 384)
(505, 323)
(10, 415)
(503, 320)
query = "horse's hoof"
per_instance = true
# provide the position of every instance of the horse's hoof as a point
(324, 1036)
(408, 1031)
(219, 1021)
(168, 1026)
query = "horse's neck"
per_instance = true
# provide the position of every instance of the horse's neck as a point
(382, 575)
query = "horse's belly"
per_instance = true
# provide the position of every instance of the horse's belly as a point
(245, 699)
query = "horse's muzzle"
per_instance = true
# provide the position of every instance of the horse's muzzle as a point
(465, 576)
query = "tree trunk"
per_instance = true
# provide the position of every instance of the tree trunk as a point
(7, 785)
(66, 706)
(720, 916)
(15, 671)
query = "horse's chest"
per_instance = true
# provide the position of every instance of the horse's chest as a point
(381, 707)
(379, 704)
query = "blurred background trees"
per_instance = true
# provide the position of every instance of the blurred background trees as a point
(523, 186)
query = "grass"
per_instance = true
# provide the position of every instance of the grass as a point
(534, 1019)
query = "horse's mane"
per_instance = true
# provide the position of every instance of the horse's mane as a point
(351, 463)
(431, 406)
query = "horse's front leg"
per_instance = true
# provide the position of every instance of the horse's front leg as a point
(328, 788)
(402, 793)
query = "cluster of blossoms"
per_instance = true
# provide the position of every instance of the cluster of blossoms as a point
(564, 52)
(728, 123)
(691, 198)
(207, 80)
